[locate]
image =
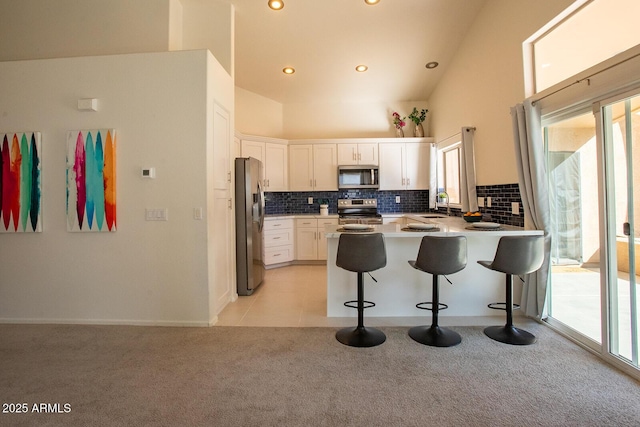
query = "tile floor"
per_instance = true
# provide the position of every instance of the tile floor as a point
(296, 296)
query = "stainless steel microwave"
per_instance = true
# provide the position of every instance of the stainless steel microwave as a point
(358, 176)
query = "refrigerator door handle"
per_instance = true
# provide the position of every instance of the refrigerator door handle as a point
(260, 207)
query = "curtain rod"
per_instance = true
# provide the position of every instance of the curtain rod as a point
(587, 78)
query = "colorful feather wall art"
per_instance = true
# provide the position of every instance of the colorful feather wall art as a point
(20, 183)
(91, 181)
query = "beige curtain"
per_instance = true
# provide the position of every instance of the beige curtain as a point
(468, 173)
(532, 177)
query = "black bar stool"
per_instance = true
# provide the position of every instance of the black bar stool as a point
(515, 255)
(361, 253)
(438, 256)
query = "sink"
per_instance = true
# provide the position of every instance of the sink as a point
(433, 216)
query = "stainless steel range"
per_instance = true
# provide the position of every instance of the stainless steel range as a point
(358, 211)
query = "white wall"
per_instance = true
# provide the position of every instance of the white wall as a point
(347, 119)
(61, 28)
(257, 115)
(485, 79)
(146, 272)
(209, 25)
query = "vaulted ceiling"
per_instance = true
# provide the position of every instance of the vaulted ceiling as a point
(324, 40)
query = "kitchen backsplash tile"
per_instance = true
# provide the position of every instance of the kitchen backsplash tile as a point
(278, 203)
(297, 202)
(502, 196)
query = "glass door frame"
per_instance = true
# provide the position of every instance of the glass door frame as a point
(607, 229)
(573, 334)
(610, 338)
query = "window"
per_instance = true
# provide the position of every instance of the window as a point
(449, 171)
(587, 33)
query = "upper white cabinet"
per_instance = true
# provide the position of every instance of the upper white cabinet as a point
(313, 167)
(312, 164)
(275, 167)
(404, 166)
(274, 160)
(358, 154)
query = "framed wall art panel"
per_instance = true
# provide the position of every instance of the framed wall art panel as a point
(91, 181)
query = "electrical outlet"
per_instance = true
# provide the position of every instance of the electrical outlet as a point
(481, 202)
(488, 202)
(310, 200)
(397, 199)
(515, 208)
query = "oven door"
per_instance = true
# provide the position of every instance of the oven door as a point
(359, 219)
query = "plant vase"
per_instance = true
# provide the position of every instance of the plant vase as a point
(418, 131)
(399, 133)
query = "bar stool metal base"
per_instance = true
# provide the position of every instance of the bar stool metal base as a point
(510, 335)
(361, 336)
(435, 336)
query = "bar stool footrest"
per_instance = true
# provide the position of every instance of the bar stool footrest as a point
(354, 304)
(502, 306)
(429, 306)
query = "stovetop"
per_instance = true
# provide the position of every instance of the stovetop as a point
(364, 211)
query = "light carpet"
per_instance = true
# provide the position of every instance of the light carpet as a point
(235, 376)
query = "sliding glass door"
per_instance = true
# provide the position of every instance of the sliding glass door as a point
(574, 297)
(593, 165)
(621, 135)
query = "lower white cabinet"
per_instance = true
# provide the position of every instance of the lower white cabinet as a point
(278, 241)
(311, 243)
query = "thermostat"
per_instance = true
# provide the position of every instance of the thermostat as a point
(148, 173)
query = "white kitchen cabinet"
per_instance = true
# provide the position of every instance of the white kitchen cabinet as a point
(313, 167)
(358, 154)
(322, 239)
(276, 173)
(311, 243)
(274, 162)
(404, 166)
(278, 241)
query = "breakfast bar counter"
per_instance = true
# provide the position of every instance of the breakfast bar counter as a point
(400, 287)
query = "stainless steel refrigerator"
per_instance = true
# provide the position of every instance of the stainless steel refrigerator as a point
(249, 224)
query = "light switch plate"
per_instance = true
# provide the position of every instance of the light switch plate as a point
(157, 214)
(197, 213)
(480, 202)
(488, 202)
(515, 208)
(397, 199)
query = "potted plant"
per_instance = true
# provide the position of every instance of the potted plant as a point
(399, 123)
(417, 117)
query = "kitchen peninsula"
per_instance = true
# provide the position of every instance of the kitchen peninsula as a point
(400, 287)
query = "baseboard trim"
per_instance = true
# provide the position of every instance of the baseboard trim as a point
(109, 322)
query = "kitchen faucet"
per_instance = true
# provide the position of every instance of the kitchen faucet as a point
(447, 196)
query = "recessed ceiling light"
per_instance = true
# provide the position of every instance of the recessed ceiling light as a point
(372, 1)
(275, 4)
(361, 68)
(288, 70)
(431, 65)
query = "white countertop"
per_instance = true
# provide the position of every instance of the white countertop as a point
(289, 216)
(447, 226)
